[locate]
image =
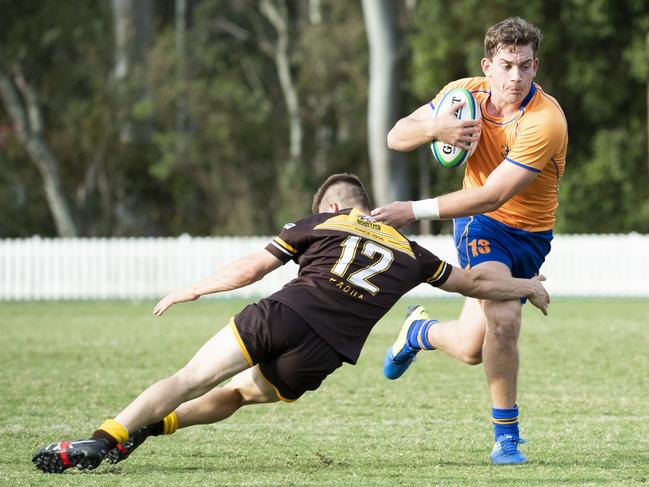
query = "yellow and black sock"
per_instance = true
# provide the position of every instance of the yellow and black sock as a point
(112, 432)
(166, 426)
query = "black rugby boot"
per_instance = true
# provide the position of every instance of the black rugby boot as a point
(123, 450)
(83, 454)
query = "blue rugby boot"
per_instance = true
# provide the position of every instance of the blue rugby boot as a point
(506, 450)
(401, 354)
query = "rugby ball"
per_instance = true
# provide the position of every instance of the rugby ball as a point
(446, 154)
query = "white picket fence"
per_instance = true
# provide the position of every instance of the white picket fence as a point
(147, 268)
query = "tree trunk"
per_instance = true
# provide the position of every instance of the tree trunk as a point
(278, 17)
(133, 24)
(20, 102)
(181, 100)
(389, 169)
(133, 20)
(133, 32)
(315, 12)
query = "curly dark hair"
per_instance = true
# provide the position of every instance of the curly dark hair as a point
(513, 31)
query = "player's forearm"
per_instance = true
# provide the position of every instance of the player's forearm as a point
(465, 202)
(408, 134)
(496, 286)
(235, 275)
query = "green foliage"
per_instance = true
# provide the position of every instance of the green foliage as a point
(198, 142)
(594, 60)
(55, 47)
(213, 178)
(22, 213)
(68, 366)
(608, 167)
(126, 166)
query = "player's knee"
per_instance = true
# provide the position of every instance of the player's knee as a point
(503, 322)
(249, 396)
(504, 331)
(251, 393)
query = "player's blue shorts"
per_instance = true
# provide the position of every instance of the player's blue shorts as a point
(482, 239)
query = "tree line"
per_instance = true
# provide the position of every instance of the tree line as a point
(215, 117)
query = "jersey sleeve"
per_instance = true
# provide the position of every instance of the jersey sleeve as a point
(291, 241)
(434, 270)
(539, 139)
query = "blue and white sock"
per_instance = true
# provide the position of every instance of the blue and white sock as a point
(418, 335)
(505, 421)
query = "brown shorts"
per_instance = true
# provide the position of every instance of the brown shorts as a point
(291, 356)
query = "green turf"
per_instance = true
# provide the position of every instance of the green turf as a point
(584, 389)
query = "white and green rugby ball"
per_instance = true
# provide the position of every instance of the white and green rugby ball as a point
(446, 154)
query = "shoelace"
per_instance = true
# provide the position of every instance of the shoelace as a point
(510, 444)
(405, 355)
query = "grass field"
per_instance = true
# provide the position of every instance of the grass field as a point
(584, 392)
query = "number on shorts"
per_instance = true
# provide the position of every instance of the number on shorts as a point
(360, 277)
(480, 246)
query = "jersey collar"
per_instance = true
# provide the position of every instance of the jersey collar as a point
(529, 96)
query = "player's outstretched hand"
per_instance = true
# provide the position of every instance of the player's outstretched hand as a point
(539, 297)
(397, 214)
(169, 300)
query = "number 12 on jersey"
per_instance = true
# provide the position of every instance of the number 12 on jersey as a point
(360, 277)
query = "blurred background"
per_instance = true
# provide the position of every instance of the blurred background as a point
(143, 118)
(146, 143)
(215, 117)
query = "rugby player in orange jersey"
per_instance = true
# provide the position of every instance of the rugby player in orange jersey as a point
(352, 271)
(503, 217)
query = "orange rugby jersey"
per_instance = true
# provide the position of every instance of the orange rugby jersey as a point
(535, 138)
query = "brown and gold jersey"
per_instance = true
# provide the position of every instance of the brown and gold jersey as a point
(353, 269)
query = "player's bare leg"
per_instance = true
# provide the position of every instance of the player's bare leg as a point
(462, 338)
(218, 360)
(247, 387)
(486, 331)
(500, 351)
(500, 358)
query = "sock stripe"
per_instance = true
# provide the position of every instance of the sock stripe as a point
(418, 335)
(420, 340)
(504, 421)
(170, 422)
(424, 334)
